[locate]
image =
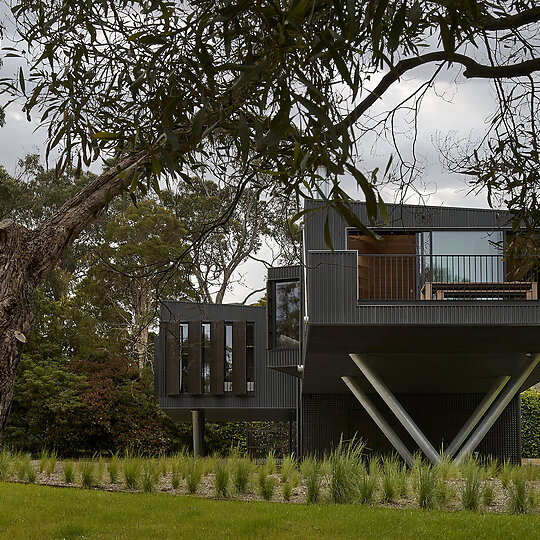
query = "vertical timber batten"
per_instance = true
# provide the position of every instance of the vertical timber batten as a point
(239, 358)
(195, 358)
(217, 357)
(172, 358)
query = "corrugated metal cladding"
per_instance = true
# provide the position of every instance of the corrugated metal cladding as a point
(327, 417)
(272, 388)
(284, 272)
(282, 357)
(333, 293)
(408, 217)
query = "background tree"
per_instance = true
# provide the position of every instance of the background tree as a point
(270, 88)
(121, 288)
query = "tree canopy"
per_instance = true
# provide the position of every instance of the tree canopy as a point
(279, 87)
(250, 91)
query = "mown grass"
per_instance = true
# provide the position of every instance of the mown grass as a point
(32, 511)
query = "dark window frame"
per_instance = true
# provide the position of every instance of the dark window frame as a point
(271, 313)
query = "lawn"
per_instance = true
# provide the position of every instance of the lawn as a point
(33, 511)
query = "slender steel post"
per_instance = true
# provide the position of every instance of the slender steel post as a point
(197, 421)
(504, 399)
(397, 409)
(476, 416)
(378, 419)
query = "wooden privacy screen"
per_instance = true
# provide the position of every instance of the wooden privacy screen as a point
(217, 357)
(172, 358)
(239, 358)
(194, 371)
(382, 276)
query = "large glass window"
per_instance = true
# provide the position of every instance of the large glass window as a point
(287, 314)
(228, 376)
(206, 358)
(467, 256)
(250, 357)
(183, 357)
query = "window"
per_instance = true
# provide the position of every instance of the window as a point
(183, 358)
(286, 314)
(250, 357)
(467, 256)
(206, 358)
(228, 376)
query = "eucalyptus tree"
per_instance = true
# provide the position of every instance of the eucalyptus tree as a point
(271, 87)
(122, 285)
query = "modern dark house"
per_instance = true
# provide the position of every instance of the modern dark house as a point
(421, 339)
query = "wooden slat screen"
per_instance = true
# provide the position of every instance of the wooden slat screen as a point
(217, 357)
(239, 358)
(172, 358)
(194, 371)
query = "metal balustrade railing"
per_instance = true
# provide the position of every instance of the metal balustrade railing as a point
(444, 277)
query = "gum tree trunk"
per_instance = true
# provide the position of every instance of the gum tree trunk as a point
(16, 308)
(26, 255)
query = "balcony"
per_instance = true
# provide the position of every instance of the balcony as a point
(444, 277)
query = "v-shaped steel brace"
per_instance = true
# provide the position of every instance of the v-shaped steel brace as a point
(479, 419)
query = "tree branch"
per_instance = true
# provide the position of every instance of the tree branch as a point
(511, 22)
(472, 70)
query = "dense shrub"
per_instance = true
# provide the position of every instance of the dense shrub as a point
(530, 423)
(88, 406)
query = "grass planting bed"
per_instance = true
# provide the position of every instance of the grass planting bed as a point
(344, 495)
(34, 511)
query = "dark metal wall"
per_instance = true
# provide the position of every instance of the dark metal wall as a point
(328, 417)
(273, 390)
(408, 217)
(333, 298)
(284, 272)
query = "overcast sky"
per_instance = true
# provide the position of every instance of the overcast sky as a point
(458, 108)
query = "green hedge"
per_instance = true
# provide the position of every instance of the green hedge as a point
(530, 423)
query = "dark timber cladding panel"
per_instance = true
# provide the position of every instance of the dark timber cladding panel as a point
(195, 357)
(239, 358)
(172, 358)
(217, 357)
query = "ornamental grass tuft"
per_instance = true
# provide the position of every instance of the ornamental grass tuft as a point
(240, 469)
(150, 475)
(470, 495)
(68, 472)
(87, 473)
(195, 469)
(518, 493)
(311, 471)
(221, 478)
(426, 483)
(345, 467)
(5, 464)
(266, 484)
(114, 468)
(131, 467)
(25, 470)
(288, 465)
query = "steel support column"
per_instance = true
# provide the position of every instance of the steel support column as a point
(504, 399)
(378, 419)
(197, 421)
(396, 407)
(476, 416)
